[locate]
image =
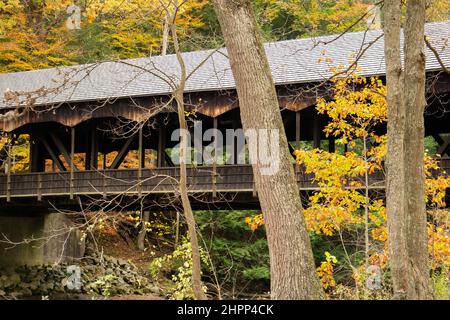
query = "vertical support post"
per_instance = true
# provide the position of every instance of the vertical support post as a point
(297, 137)
(92, 153)
(316, 132)
(161, 147)
(72, 163)
(104, 174)
(214, 172)
(142, 149)
(32, 154)
(94, 149)
(37, 163)
(8, 171)
(88, 154)
(141, 160)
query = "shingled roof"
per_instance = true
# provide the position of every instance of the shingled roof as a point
(291, 61)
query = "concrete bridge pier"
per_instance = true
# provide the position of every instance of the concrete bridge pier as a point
(54, 242)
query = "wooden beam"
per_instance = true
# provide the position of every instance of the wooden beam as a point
(62, 149)
(88, 153)
(56, 160)
(92, 154)
(141, 149)
(444, 147)
(37, 160)
(297, 129)
(438, 138)
(72, 161)
(141, 155)
(161, 147)
(291, 149)
(122, 153)
(168, 160)
(214, 173)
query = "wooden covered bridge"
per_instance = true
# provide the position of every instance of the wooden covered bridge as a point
(83, 122)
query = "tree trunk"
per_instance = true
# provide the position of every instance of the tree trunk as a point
(414, 146)
(143, 232)
(188, 213)
(165, 38)
(395, 159)
(293, 274)
(405, 190)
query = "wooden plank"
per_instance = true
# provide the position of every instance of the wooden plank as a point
(122, 153)
(62, 149)
(56, 160)
(438, 138)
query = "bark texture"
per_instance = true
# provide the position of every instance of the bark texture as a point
(292, 267)
(178, 94)
(143, 232)
(407, 221)
(414, 83)
(395, 160)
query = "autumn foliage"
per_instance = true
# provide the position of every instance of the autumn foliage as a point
(356, 115)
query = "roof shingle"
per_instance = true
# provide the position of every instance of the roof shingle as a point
(291, 61)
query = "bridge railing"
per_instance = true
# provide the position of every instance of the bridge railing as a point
(160, 180)
(233, 178)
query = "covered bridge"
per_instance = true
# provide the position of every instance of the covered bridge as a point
(115, 108)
